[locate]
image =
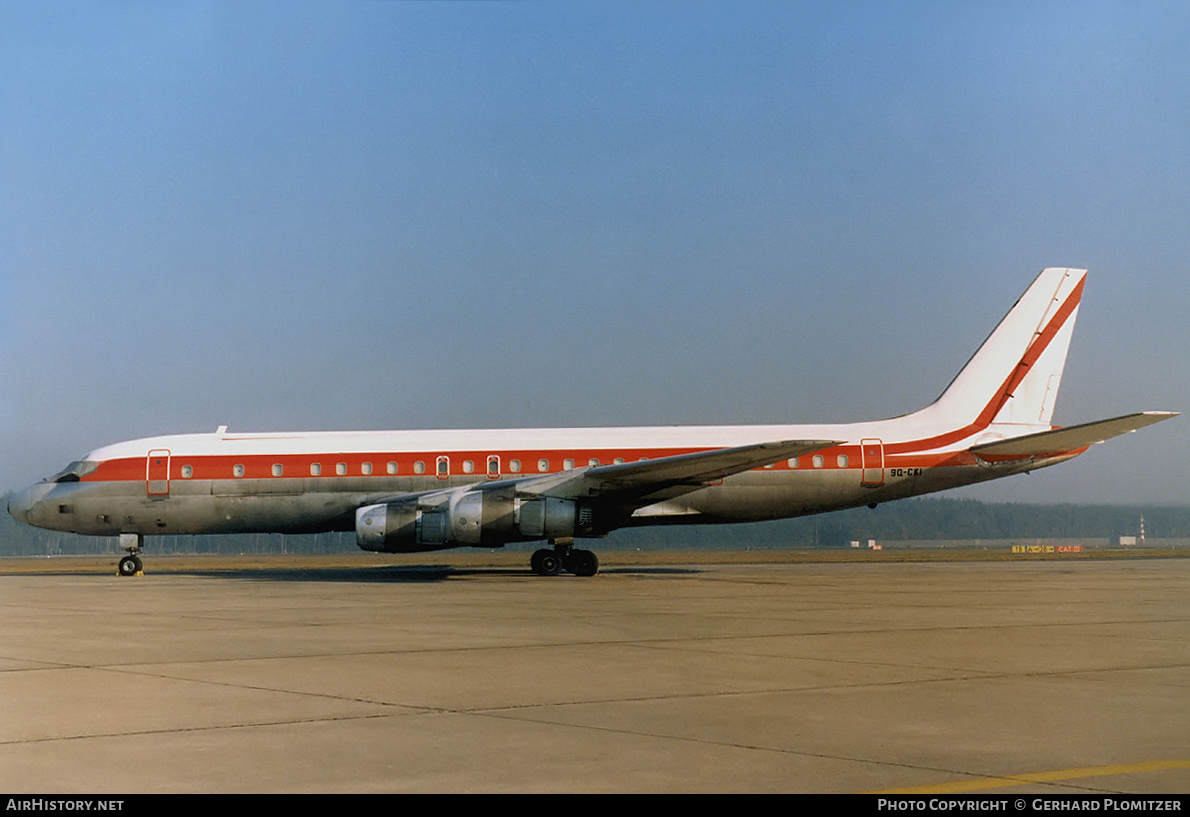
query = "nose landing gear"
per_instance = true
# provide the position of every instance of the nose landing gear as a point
(131, 565)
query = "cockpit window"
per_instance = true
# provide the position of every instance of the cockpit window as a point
(75, 471)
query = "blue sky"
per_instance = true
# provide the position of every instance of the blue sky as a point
(285, 216)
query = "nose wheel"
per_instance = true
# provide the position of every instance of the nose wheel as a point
(131, 565)
(564, 556)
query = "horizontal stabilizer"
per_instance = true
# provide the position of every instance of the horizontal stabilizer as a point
(1067, 440)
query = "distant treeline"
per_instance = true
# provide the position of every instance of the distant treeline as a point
(913, 519)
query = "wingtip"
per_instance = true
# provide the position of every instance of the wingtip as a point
(1153, 417)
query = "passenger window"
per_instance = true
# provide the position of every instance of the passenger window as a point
(514, 466)
(419, 467)
(365, 468)
(237, 470)
(341, 469)
(187, 472)
(543, 465)
(793, 462)
(818, 461)
(568, 465)
(391, 468)
(278, 469)
(468, 467)
(593, 461)
(842, 460)
(315, 469)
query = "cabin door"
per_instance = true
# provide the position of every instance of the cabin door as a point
(871, 452)
(157, 473)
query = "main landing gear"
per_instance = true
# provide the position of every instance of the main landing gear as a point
(564, 556)
(131, 565)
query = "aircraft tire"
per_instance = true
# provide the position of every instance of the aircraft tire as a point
(545, 562)
(583, 563)
(129, 566)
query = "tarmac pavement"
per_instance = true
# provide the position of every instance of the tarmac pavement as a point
(1007, 677)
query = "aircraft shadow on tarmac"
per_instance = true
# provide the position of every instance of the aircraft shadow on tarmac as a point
(404, 574)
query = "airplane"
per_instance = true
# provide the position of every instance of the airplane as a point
(411, 491)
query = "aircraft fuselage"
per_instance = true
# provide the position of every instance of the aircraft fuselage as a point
(304, 483)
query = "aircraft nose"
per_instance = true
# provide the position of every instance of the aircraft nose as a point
(22, 505)
(18, 506)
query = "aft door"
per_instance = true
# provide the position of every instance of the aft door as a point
(872, 462)
(157, 473)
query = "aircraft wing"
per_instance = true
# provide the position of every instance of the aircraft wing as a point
(1066, 440)
(623, 487)
(678, 474)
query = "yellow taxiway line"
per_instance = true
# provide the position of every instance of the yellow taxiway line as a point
(985, 783)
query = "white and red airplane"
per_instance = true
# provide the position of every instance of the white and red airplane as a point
(407, 491)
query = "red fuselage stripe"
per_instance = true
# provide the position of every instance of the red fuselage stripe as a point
(299, 466)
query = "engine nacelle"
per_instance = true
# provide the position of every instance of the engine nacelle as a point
(468, 519)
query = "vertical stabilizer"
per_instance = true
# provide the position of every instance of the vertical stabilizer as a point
(1014, 377)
